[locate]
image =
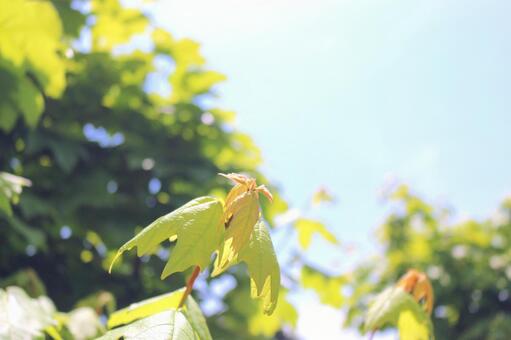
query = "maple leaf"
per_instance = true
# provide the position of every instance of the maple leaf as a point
(417, 284)
(158, 304)
(198, 228)
(306, 228)
(322, 195)
(166, 325)
(263, 267)
(396, 307)
(241, 213)
(401, 306)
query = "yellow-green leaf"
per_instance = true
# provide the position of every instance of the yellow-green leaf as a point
(241, 215)
(30, 33)
(115, 24)
(167, 325)
(327, 287)
(158, 304)
(322, 195)
(388, 308)
(268, 325)
(145, 308)
(411, 328)
(307, 228)
(194, 315)
(198, 228)
(263, 268)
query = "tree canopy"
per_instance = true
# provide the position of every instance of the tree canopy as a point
(90, 153)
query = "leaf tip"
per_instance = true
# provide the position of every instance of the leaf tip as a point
(266, 192)
(119, 253)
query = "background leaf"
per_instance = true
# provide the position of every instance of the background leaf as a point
(307, 228)
(388, 308)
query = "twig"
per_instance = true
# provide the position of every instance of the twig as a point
(189, 286)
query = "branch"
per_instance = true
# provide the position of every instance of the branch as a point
(189, 286)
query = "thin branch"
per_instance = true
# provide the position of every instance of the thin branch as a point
(189, 286)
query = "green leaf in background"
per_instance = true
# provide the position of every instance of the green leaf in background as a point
(115, 24)
(246, 319)
(32, 235)
(322, 195)
(285, 314)
(263, 268)
(307, 228)
(5, 205)
(10, 187)
(397, 308)
(327, 287)
(198, 228)
(168, 325)
(30, 33)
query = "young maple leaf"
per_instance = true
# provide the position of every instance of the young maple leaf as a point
(263, 267)
(198, 228)
(247, 240)
(417, 284)
(241, 213)
(407, 305)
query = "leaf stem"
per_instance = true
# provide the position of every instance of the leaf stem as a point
(189, 286)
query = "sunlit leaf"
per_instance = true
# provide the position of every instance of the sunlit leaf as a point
(145, 308)
(155, 305)
(168, 325)
(263, 268)
(115, 24)
(322, 195)
(327, 287)
(194, 315)
(198, 228)
(30, 34)
(307, 228)
(411, 328)
(388, 307)
(243, 215)
(417, 284)
(262, 324)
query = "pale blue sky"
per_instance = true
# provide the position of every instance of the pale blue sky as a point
(345, 93)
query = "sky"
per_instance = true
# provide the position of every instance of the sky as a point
(350, 94)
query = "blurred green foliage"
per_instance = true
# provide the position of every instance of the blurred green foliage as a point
(104, 154)
(468, 263)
